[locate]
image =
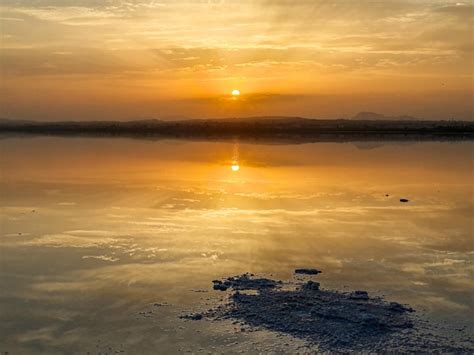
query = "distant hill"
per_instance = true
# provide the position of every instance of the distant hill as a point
(372, 116)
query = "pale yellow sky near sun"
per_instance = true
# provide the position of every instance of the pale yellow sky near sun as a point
(115, 59)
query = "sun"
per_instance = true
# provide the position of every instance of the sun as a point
(235, 92)
(235, 167)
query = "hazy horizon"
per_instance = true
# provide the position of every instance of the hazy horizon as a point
(103, 60)
(364, 115)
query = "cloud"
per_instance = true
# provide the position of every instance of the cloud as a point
(458, 10)
(101, 257)
(73, 239)
(112, 51)
(74, 16)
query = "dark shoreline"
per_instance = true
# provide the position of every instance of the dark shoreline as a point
(290, 130)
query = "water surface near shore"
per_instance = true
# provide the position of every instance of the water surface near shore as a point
(94, 232)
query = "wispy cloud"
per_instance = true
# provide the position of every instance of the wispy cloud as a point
(183, 49)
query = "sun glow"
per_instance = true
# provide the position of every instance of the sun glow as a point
(235, 92)
(235, 167)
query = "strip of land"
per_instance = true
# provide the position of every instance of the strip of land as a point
(291, 129)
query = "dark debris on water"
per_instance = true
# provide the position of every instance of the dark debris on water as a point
(308, 271)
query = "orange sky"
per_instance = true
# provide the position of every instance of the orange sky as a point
(115, 59)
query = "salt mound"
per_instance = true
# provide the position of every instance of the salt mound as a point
(330, 317)
(331, 320)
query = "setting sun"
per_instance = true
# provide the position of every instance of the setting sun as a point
(235, 167)
(235, 92)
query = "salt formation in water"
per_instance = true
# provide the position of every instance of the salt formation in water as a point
(330, 320)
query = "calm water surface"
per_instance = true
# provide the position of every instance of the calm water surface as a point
(93, 232)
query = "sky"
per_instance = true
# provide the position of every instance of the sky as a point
(117, 59)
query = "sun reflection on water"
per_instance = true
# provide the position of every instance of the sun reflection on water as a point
(235, 157)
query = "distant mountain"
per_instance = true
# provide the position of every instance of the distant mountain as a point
(372, 116)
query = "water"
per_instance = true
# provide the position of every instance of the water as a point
(95, 231)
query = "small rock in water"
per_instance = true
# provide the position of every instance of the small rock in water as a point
(404, 200)
(307, 271)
